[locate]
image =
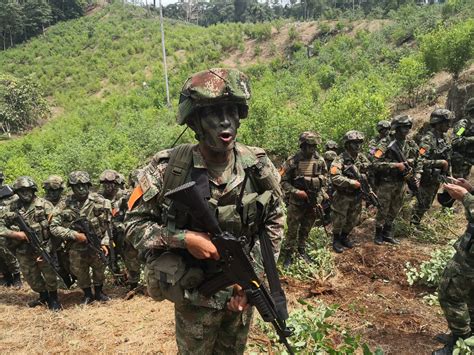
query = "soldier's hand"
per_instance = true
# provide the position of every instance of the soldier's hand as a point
(200, 245)
(302, 195)
(455, 191)
(105, 249)
(20, 236)
(80, 237)
(444, 165)
(464, 183)
(399, 166)
(356, 184)
(238, 302)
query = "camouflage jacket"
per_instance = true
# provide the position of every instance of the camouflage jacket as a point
(309, 175)
(119, 208)
(343, 180)
(37, 215)
(463, 139)
(463, 260)
(373, 143)
(384, 160)
(434, 149)
(96, 209)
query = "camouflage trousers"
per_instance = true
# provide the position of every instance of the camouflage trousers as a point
(39, 275)
(456, 297)
(300, 219)
(346, 209)
(81, 263)
(130, 259)
(425, 197)
(8, 261)
(390, 196)
(202, 330)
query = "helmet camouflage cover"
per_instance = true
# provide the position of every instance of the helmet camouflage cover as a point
(440, 115)
(53, 182)
(330, 155)
(383, 125)
(109, 175)
(352, 136)
(211, 87)
(79, 177)
(400, 121)
(469, 105)
(331, 145)
(24, 182)
(311, 138)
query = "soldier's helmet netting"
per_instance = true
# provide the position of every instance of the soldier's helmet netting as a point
(53, 182)
(24, 182)
(79, 177)
(109, 175)
(401, 121)
(440, 115)
(352, 136)
(383, 125)
(308, 137)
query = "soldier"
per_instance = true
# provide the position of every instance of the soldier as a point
(9, 265)
(331, 146)
(463, 143)
(64, 224)
(212, 103)
(383, 129)
(304, 182)
(456, 288)
(329, 157)
(434, 155)
(54, 187)
(346, 206)
(36, 212)
(391, 172)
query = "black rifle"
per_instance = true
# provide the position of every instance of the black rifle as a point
(35, 243)
(237, 268)
(408, 174)
(6, 191)
(93, 241)
(365, 190)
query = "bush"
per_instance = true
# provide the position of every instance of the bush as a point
(412, 74)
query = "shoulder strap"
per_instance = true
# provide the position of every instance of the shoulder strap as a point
(179, 164)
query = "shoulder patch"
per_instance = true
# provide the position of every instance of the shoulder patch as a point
(136, 194)
(422, 151)
(334, 169)
(460, 131)
(378, 153)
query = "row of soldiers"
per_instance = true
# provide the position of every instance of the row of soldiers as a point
(65, 227)
(317, 186)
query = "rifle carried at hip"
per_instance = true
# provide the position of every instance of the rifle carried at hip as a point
(366, 191)
(408, 173)
(236, 265)
(93, 241)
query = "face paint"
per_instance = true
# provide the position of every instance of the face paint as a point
(53, 194)
(219, 127)
(354, 147)
(81, 191)
(308, 150)
(25, 194)
(402, 132)
(110, 188)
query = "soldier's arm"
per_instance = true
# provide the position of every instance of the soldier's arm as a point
(426, 154)
(381, 163)
(106, 215)
(337, 177)
(287, 176)
(58, 227)
(6, 221)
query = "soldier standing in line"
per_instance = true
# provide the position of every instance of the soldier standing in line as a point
(211, 103)
(9, 265)
(97, 212)
(346, 206)
(456, 287)
(391, 173)
(36, 212)
(463, 143)
(331, 146)
(304, 182)
(434, 156)
(383, 129)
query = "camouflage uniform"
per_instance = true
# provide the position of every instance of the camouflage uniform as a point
(97, 210)
(309, 175)
(36, 213)
(463, 143)
(456, 288)
(433, 153)
(346, 203)
(156, 225)
(383, 128)
(331, 146)
(390, 181)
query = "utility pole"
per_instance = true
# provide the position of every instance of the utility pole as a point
(164, 56)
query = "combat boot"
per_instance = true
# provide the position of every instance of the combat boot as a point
(99, 295)
(387, 237)
(41, 301)
(288, 260)
(53, 301)
(345, 241)
(378, 235)
(88, 296)
(16, 281)
(305, 256)
(336, 243)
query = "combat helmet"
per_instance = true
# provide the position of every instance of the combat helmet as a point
(109, 175)
(469, 108)
(308, 137)
(330, 155)
(211, 87)
(24, 182)
(401, 121)
(78, 177)
(383, 125)
(331, 145)
(53, 182)
(352, 136)
(440, 115)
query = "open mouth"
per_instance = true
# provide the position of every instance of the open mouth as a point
(226, 137)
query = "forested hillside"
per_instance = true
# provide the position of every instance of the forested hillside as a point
(102, 76)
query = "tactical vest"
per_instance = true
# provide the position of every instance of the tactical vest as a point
(311, 171)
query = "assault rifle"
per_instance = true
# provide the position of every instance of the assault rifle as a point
(35, 243)
(236, 265)
(366, 191)
(93, 241)
(6, 191)
(408, 174)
